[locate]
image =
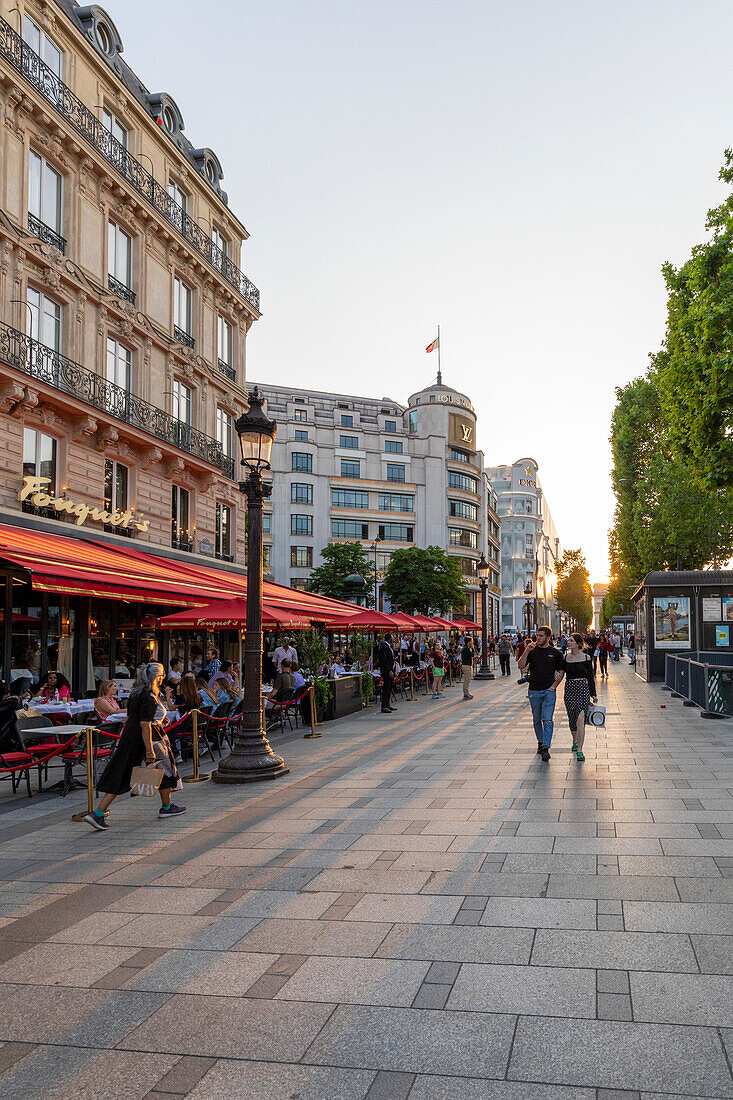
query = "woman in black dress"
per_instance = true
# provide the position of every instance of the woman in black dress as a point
(142, 739)
(580, 689)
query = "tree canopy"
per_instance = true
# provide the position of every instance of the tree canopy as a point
(574, 595)
(672, 429)
(424, 581)
(339, 560)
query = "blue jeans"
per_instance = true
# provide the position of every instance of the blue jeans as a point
(543, 708)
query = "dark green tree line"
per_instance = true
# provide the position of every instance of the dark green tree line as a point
(574, 595)
(672, 429)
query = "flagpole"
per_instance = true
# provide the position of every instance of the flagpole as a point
(440, 376)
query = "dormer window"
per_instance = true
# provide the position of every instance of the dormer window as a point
(169, 120)
(104, 39)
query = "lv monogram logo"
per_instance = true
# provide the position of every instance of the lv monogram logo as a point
(467, 433)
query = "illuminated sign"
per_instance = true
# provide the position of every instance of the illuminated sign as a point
(461, 431)
(34, 489)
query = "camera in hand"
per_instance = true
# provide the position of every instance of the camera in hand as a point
(523, 680)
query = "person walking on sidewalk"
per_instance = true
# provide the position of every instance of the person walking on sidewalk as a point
(467, 655)
(545, 664)
(580, 689)
(604, 648)
(437, 661)
(142, 739)
(505, 652)
(386, 668)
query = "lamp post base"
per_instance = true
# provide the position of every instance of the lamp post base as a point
(484, 673)
(250, 761)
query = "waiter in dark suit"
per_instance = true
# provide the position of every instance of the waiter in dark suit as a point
(386, 668)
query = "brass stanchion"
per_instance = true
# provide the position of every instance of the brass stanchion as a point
(195, 778)
(314, 720)
(426, 679)
(412, 687)
(88, 733)
(450, 675)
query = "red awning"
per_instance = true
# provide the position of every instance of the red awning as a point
(230, 615)
(466, 624)
(374, 620)
(405, 622)
(83, 567)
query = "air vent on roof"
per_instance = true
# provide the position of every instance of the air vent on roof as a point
(340, 406)
(299, 401)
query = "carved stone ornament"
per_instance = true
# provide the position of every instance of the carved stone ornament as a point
(150, 457)
(27, 403)
(10, 394)
(83, 429)
(107, 437)
(206, 481)
(174, 467)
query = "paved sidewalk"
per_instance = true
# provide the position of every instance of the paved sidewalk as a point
(419, 909)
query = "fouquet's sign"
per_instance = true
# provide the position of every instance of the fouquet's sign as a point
(36, 491)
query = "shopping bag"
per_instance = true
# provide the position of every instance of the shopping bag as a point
(145, 781)
(597, 715)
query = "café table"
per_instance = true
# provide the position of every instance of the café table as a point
(67, 732)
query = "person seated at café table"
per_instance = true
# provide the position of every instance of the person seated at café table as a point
(188, 696)
(298, 679)
(337, 667)
(174, 672)
(225, 692)
(229, 671)
(208, 697)
(106, 702)
(282, 689)
(53, 682)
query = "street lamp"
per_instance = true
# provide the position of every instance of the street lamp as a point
(374, 548)
(251, 757)
(483, 568)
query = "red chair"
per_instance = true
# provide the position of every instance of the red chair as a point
(23, 762)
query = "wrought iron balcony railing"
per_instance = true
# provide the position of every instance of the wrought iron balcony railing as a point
(182, 544)
(46, 233)
(223, 557)
(120, 289)
(183, 337)
(44, 80)
(49, 366)
(227, 370)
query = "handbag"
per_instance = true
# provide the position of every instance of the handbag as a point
(145, 781)
(596, 715)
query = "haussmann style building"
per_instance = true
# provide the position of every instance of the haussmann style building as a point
(530, 548)
(123, 321)
(384, 474)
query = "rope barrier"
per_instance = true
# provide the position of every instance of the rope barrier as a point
(36, 761)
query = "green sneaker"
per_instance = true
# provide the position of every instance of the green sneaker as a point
(579, 756)
(574, 747)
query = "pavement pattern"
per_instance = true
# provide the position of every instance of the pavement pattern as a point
(421, 909)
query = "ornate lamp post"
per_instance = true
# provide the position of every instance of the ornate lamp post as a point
(377, 540)
(251, 758)
(484, 673)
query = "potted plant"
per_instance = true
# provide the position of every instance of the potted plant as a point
(312, 648)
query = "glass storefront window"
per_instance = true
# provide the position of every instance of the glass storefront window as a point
(99, 633)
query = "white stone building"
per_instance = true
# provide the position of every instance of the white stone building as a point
(530, 548)
(383, 474)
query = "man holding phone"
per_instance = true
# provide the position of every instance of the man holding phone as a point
(546, 670)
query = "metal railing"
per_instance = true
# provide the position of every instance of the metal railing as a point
(705, 679)
(46, 233)
(27, 62)
(120, 289)
(227, 370)
(183, 337)
(49, 366)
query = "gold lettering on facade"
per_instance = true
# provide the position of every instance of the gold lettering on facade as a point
(34, 489)
(467, 433)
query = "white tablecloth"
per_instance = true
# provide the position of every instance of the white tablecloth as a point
(83, 706)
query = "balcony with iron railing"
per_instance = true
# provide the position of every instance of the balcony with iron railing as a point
(183, 337)
(27, 62)
(120, 289)
(226, 369)
(46, 233)
(46, 365)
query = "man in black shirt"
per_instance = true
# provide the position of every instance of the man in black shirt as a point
(545, 664)
(386, 668)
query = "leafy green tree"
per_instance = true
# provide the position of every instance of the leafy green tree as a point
(424, 581)
(339, 560)
(574, 595)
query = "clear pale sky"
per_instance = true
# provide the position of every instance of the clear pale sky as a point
(517, 172)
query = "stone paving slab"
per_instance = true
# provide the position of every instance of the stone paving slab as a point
(419, 910)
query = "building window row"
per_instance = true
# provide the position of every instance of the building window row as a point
(301, 524)
(459, 536)
(464, 482)
(301, 557)
(301, 493)
(463, 509)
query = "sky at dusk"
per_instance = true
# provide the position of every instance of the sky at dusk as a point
(517, 173)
